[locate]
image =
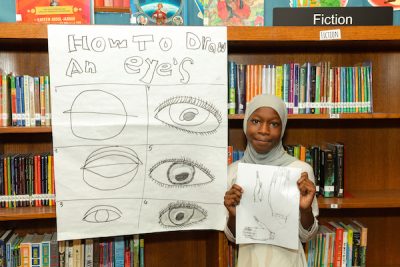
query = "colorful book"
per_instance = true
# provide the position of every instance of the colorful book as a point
(234, 13)
(3, 246)
(160, 12)
(54, 11)
(232, 87)
(54, 257)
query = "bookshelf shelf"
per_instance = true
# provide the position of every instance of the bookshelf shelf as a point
(27, 213)
(16, 130)
(112, 9)
(362, 200)
(247, 35)
(343, 116)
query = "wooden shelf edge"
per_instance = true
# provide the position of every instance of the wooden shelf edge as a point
(27, 213)
(16, 130)
(331, 116)
(311, 33)
(23, 31)
(112, 9)
(238, 33)
(363, 200)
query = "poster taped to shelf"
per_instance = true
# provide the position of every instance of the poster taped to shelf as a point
(139, 128)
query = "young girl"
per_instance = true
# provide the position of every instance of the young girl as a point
(264, 125)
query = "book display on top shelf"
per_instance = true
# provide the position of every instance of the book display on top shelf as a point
(54, 11)
(234, 13)
(157, 12)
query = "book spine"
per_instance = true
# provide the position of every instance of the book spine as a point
(47, 99)
(141, 252)
(136, 241)
(241, 89)
(232, 87)
(329, 178)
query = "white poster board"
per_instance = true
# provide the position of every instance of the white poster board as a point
(139, 121)
(269, 209)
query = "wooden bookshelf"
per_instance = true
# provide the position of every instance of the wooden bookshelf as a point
(372, 141)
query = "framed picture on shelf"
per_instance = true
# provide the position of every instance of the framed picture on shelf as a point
(54, 11)
(157, 12)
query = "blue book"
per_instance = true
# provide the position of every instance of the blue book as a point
(160, 12)
(194, 12)
(3, 242)
(141, 252)
(119, 251)
(9, 246)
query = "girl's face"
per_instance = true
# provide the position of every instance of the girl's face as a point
(264, 128)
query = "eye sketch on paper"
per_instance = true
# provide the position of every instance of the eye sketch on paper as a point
(110, 168)
(108, 108)
(181, 214)
(180, 172)
(102, 214)
(189, 114)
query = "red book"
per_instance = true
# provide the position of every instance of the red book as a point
(337, 253)
(126, 3)
(118, 3)
(98, 3)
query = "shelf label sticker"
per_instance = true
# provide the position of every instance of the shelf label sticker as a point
(334, 116)
(334, 206)
(330, 35)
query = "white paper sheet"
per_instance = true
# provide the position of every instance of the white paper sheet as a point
(139, 119)
(268, 212)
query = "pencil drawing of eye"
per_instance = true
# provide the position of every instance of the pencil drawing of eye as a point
(180, 173)
(189, 114)
(181, 214)
(91, 113)
(102, 214)
(110, 168)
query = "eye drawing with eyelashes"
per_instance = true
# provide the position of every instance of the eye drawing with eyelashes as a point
(180, 173)
(181, 214)
(111, 168)
(189, 114)
(102, 214)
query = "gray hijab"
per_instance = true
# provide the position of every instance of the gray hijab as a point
(277, 156)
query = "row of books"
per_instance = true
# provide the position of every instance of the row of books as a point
(112, 3)
(327, 161)
(338, 244)
(27, 180)
(43, 250)
(234, 154)
(24, 100)
(232, 252)
(305, 88)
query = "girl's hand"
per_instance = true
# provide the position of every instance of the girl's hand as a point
(307, 191)
(232, 199)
